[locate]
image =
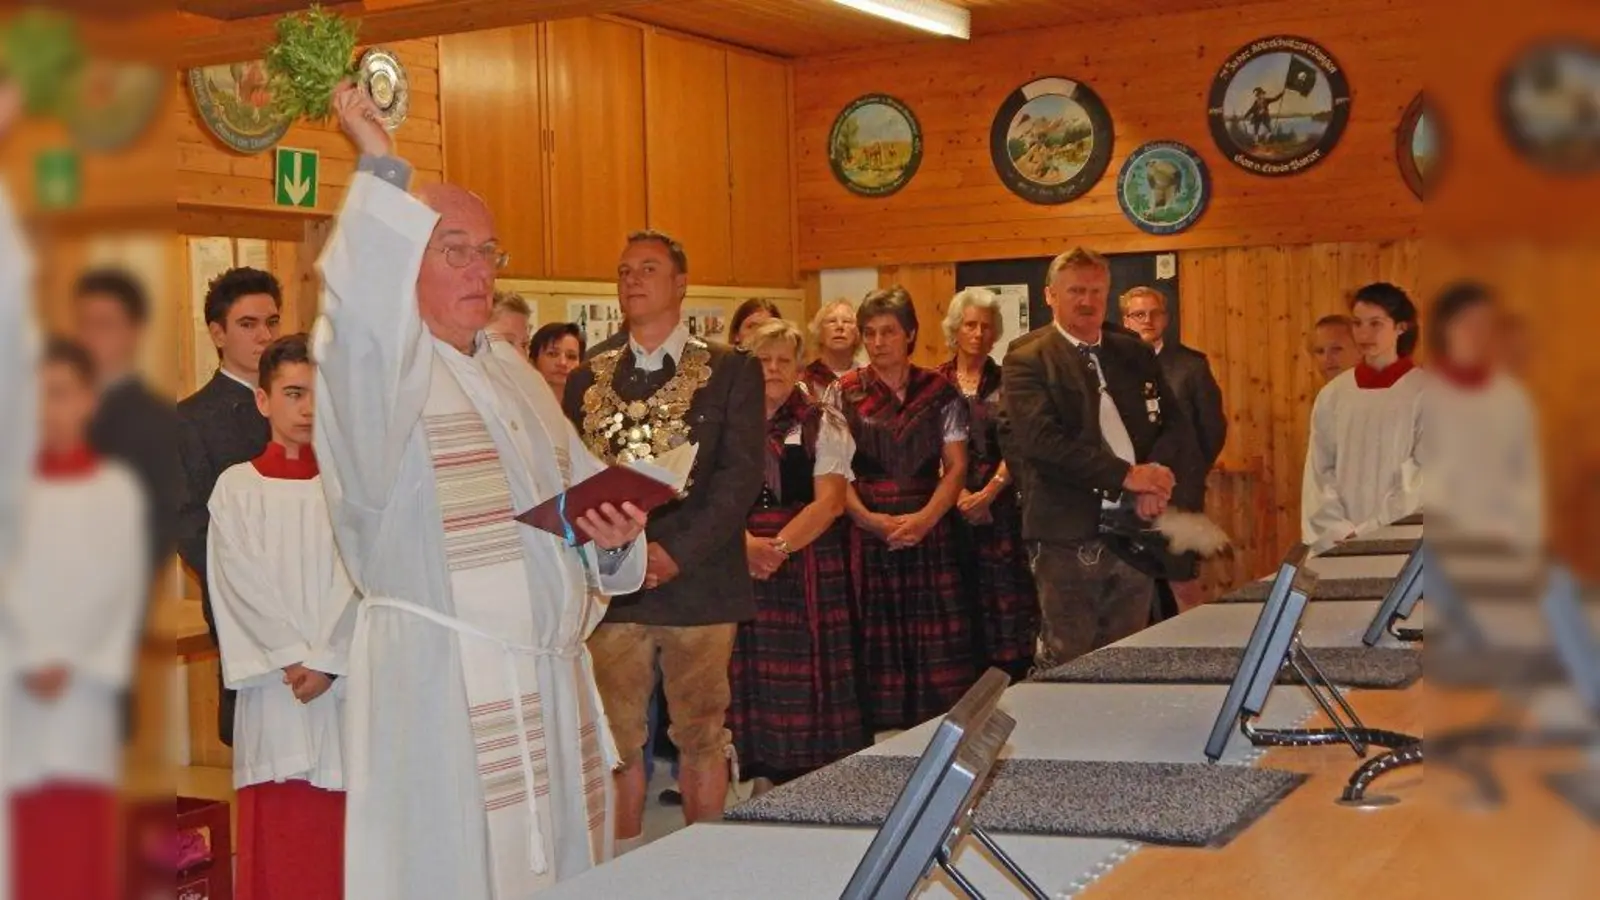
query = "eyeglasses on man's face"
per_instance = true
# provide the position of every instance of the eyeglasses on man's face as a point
(1142, 315)
(459, 256)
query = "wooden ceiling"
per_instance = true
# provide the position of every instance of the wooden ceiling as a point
(818, 27)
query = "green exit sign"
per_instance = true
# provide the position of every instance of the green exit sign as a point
(296, 182)
(57, 179)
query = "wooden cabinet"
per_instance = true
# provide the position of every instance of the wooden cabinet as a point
(594, 102)
(493, 123)
(762, 174)
(686, 90)
(579, 131)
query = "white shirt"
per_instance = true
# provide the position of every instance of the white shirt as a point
(654, 360)
(279, 595)
(835, 445)
(241, 381)
(1111, 426)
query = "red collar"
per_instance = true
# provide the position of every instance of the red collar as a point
(274, 462)
(1370, 379)
(78, 462)
(1468, 377)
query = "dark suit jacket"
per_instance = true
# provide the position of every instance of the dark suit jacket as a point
(616, 341)
(704, 532)
(140, 429)
(1198, 397)
(1065, 468)
(220, 427)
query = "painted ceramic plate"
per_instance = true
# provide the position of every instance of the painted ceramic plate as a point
(235, 103)
(1051, 140)
(1416, 146)
(1163, 187)
(384, 80)
(875, 145)
(1278, 106)
(1550, 106)
(115, 104)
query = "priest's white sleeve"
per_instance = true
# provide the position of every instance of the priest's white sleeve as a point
(18, 394)
(373, 356)
(255, 634)
(1323, 519)
(628, 575)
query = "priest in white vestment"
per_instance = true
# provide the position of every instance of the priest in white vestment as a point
(478, 756)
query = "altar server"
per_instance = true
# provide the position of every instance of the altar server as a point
(284, 607)
(477, 749)
(68, 638)
(1362, 469)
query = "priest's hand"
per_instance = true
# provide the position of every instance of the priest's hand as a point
(358, 118)
(48, 683)
(611, 528)
(10, 106)
(659, 566)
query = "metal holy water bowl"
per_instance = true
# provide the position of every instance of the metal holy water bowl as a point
(385, 81)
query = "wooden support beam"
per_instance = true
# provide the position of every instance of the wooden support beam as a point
(193, 40)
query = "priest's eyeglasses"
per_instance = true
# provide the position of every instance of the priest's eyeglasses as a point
(459, 256)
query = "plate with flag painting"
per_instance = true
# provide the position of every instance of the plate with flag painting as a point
(1163, 187)
(1279, 105)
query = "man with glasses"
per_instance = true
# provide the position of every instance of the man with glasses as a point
(1199, 399)
(477, 749)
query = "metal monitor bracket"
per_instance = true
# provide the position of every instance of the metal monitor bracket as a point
(943, 858)
(1347, 728)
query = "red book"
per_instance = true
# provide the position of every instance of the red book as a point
(640, 483)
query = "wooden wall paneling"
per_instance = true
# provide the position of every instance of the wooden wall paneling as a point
(490, 98)
(811, 284)
(956, 208)
(759, 138)
(205, 693)
(594, 100)
(686, 150)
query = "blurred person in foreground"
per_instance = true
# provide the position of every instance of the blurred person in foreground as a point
(1480, 429)
(70, 633)
(132, 423)
(557, 351)
(1362, 470)
(284, 610)
(1332, 345)
(477, 748)
(509, 320)
(1199, 399)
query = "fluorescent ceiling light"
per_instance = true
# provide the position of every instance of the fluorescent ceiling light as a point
(928, 15)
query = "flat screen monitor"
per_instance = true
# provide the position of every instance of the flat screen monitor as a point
(1401, 599)
(1573, 636)
(1255, 650)
(929, 813)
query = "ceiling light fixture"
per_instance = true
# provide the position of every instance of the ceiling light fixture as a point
(929, 15)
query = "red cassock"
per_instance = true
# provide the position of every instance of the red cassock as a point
(291, 842)
(63, 843)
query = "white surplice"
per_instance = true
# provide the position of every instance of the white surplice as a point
(280, 595)
(60, 609)
(1362, 463)
(1483, 458)
(425, 454)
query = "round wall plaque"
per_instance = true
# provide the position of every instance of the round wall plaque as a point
(1416, 146)
(1278, 106)
(875, 145)
(235, 103)
(1163, 187)
(1550, 106)
(1051, 140)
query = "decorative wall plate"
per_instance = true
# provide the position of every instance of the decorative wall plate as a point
(875, 145)
(1550, 106)
(115, 103)
(1278, 106)
(1163, 187)
(1416, 146)
(1051, 140)
(235, 103)
(384, 80)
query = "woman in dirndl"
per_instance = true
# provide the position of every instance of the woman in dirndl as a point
(910, 429)
(990, 525)
(795, 703)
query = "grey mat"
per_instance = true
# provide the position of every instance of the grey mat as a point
(1497, 667)
(1581, 789)
(1175, 804)
(1327, 589)
(1361, 667)
(1374, 547)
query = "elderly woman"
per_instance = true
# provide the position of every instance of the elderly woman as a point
(751, 315)
(910, 430)
(795, 705)
(990, 526)
(834, 332)
(557, 351)
(508, 320)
